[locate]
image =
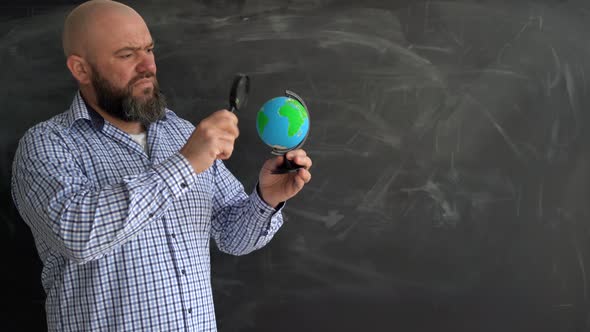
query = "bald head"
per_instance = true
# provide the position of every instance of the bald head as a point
(109, 51)
(87, 20)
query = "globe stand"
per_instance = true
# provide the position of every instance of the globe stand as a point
(289, 166)
(286, 167)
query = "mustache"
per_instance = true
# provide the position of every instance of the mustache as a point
(139, 77)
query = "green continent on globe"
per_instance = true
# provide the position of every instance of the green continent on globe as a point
(295, 113)
(262, 121)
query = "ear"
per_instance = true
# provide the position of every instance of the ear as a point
(79, 69)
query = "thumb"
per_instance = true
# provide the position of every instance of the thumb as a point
(273, 163)
(278, 160)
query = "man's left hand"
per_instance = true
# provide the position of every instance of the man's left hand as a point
(277, 188)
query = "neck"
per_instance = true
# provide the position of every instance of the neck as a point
(130, 127)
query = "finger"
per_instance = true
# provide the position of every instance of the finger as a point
(233, 131)
(304, 175)
(303, 161)
(273, 163)
(301, 178)
(227, 123)
(218, 121)
(228, 132)
(225, 155)
(227, 116)
(299, 152)
(225, 148)
(219, 134)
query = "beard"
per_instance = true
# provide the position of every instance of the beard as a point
(121, 103)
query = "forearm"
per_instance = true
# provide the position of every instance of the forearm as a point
(246, 226)
(83, 223)
(240, 223)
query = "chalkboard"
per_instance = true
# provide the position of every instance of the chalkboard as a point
(451, 172)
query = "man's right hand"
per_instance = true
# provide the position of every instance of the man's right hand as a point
(212, 139)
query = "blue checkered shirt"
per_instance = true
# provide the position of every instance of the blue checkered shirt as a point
(124, 234)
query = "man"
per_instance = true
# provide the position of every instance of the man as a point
(122, 196)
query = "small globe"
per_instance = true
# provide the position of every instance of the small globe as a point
(282, 123)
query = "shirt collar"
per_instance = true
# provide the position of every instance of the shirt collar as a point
(80, 110)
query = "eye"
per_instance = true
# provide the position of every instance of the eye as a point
(126, 55)
(150, 50)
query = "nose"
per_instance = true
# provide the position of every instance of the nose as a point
(147, 63)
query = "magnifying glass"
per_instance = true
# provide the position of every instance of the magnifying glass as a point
(238, 95)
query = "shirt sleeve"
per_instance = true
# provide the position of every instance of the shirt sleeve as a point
(79, 221)
(241, 223)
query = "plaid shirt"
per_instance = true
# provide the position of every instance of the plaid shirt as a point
(124, 235)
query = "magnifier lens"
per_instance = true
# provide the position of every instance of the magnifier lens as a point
(239, 92)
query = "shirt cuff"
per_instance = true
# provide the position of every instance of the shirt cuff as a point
(272, 218)
(177, 173)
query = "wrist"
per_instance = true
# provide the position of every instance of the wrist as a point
(270, 202)
(197, 167)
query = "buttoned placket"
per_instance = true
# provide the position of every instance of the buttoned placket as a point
(172, 233)
(182, 269)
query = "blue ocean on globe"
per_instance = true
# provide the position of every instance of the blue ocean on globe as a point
(282, 123)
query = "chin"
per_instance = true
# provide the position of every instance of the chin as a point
(144, 93)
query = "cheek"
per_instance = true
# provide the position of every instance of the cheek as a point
(121, 81)
(120, 77)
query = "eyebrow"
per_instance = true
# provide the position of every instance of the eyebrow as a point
(129, 48)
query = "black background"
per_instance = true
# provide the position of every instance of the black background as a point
(449, 139)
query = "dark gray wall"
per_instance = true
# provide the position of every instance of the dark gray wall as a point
(449, 138)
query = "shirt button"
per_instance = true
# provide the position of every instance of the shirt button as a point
(261, 210)
(173, 236)
(183, 185)
(151, 215)
(190, 310)
(183, 271)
